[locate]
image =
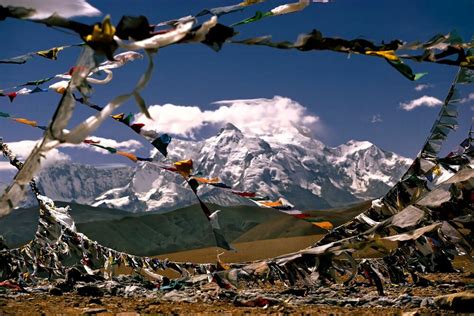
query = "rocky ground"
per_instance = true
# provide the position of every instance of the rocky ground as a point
(439, 294)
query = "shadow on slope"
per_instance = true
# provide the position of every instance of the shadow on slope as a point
(188, 228)
(19, 227)
(180, 230)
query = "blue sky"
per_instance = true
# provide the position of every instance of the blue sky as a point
(345, 93)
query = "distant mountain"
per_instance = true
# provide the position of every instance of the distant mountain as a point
(20, 225)
(299, 168)
(303, 170)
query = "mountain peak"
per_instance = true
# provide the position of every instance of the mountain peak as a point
(353, 146)
(359, 145)
(229, 128)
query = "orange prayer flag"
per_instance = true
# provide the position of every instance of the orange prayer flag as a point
(130, 156)
(208, 180)
(60, 90)
(26, 121)
(324, 225)
(272, 204)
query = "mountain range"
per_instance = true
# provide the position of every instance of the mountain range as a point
(294, 165)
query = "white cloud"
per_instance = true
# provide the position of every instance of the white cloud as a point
(22, 150)
(423, 86)
(376, 118)
(130, 145)
(422, 101)
(278, 115)
(6, 166)
(470, 97)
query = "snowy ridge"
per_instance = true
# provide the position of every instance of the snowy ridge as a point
(292, 165)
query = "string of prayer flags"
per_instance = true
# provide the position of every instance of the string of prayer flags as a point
(280, 10)
(21, 120)
(427, 170)
(104, 38)
(51, 54)
(228, 9)
(446, 121)
(12, 95)
(91, 142)
(160, 143)
(113, 150)
(37, 82)
(316, 41)
(61, 86)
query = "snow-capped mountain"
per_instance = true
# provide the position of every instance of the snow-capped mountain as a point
(299, 168)
(72, 182)
(307, 173)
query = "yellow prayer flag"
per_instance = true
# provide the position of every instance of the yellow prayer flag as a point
(118, 117)
(184, 167)
(387, 54)
(103, 33)
(50, 53)
(437, 170)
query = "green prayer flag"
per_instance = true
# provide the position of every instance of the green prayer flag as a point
(109, 149)
(128, 119)
(258, 16)
(405, 70)
(466, 76)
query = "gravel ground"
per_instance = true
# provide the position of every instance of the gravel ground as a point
(208, 298)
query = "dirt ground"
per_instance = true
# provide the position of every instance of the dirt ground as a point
(160, 302)
(73, 304)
